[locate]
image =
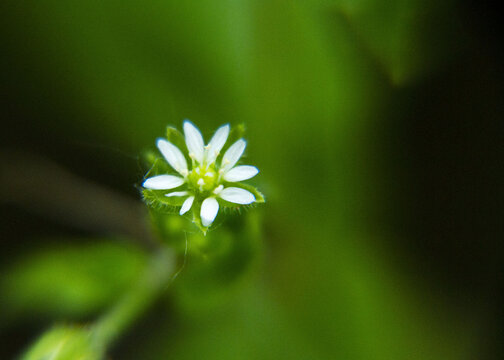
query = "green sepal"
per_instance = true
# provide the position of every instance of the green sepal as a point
(157, 200)
(196, 210)
(157, 164)
(155, 161)
(229, 205)
(258, 195)
(176, 138)
(235, 134)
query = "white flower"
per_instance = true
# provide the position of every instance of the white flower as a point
(207, 181)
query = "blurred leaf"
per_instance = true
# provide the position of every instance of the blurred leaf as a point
(396, 33)
(64, 343)
(246, 324)
(217, 262)
(123, 69)
(68, 281)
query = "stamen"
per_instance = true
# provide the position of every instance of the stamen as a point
(221, 172)
(218, 189)
(201, 183)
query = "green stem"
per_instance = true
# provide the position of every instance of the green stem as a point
(155, 279)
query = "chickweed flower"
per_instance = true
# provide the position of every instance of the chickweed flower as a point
(199, 178)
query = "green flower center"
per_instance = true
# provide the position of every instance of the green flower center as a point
(203, 180)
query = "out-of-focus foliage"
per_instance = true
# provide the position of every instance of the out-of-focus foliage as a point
(316, 84)
(398, 35)
(218, 263)
(68, 281)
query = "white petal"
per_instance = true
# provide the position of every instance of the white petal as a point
(163, 182)
(241, 173)
(215, 145)
(194, 141)
(186, 206)
(233, 154)
(209, 210)
(173, 155)
(237, 195)
(177, 193)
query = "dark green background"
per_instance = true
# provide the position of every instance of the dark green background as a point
(377, 127)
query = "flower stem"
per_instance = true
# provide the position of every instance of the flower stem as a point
(119, 318)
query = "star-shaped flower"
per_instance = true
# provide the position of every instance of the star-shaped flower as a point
(211, 181)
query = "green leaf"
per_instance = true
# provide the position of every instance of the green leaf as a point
(74, 281)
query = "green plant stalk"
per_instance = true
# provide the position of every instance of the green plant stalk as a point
(152, 283)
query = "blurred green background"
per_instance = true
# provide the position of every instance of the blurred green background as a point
(377, 128)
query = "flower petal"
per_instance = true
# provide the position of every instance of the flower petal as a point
(209, 210)
(215, 145)
(177, 193)
(240, 173)
(194, 141)
(163, 182)
(233, 154)
(173, 155)
(186, 206)
(237, 195)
